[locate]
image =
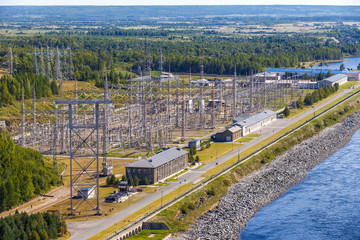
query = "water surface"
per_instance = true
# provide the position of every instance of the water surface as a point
(350, 62)
(325, 205)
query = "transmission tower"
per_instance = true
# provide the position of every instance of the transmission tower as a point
(11, 62)
(48, 63)
(234, 94)
(23, 140)
(35, 63)
(85, 173)
(58, 75)
(42, 64)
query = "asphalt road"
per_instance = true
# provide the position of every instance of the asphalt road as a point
(86, 229)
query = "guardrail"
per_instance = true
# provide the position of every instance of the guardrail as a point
(225, 170)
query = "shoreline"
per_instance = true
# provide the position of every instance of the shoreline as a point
(261, 187)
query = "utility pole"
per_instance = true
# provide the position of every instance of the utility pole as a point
(35, 63)
(34, 118)
(183, 115)
(234, 94)
(160, 73)
(251, 92)
(23, 139)
(105, 119)
(58, 75)
(11, 62)
(168, 99)
(177, 104)
(48, 63)
(201, 104)
(213, 107)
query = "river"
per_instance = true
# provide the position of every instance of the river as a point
(325, 205)
(349, 62)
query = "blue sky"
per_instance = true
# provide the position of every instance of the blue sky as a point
(182, 2)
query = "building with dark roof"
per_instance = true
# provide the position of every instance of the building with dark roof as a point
(229, 135)
(158, 166)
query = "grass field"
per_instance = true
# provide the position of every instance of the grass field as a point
(348, 85)
(216, 150)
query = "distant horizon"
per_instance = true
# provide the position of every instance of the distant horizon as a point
(183, 3)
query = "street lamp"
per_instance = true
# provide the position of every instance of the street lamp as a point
(314, 110)
(161, 197)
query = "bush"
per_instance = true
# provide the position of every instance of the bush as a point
(227, 182)
(286, 111)
(184, 209)
(211, 191)
(111, 180)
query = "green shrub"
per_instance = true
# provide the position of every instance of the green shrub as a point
(211, 191)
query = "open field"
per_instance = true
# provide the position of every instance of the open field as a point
(215, 151)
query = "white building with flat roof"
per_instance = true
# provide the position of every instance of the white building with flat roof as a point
(331, 81)
(256, 121)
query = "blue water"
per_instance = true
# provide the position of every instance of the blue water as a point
(351, 63)
(325, 205)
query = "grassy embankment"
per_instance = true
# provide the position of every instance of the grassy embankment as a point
(182, 215)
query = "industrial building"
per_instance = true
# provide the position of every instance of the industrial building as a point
(267, 76)
(116, 197)
(229, 135)
(307, 84)
(196, 143)
(352, 76)
(331, 81)
(158, 166)
(86, 192)
(256, 121)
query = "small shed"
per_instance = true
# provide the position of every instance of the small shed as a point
(229, 135)
(196, 143)
(86, 192)
(107, 169)
(123, 186)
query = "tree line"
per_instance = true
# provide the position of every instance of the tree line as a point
(39, 226)
(23, 173)
(11, 87)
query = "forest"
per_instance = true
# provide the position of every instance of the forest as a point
(23, 173)
(39, 226)
(125, 52)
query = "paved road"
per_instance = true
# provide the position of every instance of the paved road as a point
(84, 230)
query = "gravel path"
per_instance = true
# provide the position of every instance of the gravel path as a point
(258, 189)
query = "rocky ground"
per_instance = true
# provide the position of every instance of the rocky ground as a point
(258, 189)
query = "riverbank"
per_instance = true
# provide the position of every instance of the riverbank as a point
(261, 187)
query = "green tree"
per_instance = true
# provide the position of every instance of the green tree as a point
(136, 181)
(342, 67)
(54, 87)
(146, 181)
(286, 111)
(124, 178)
